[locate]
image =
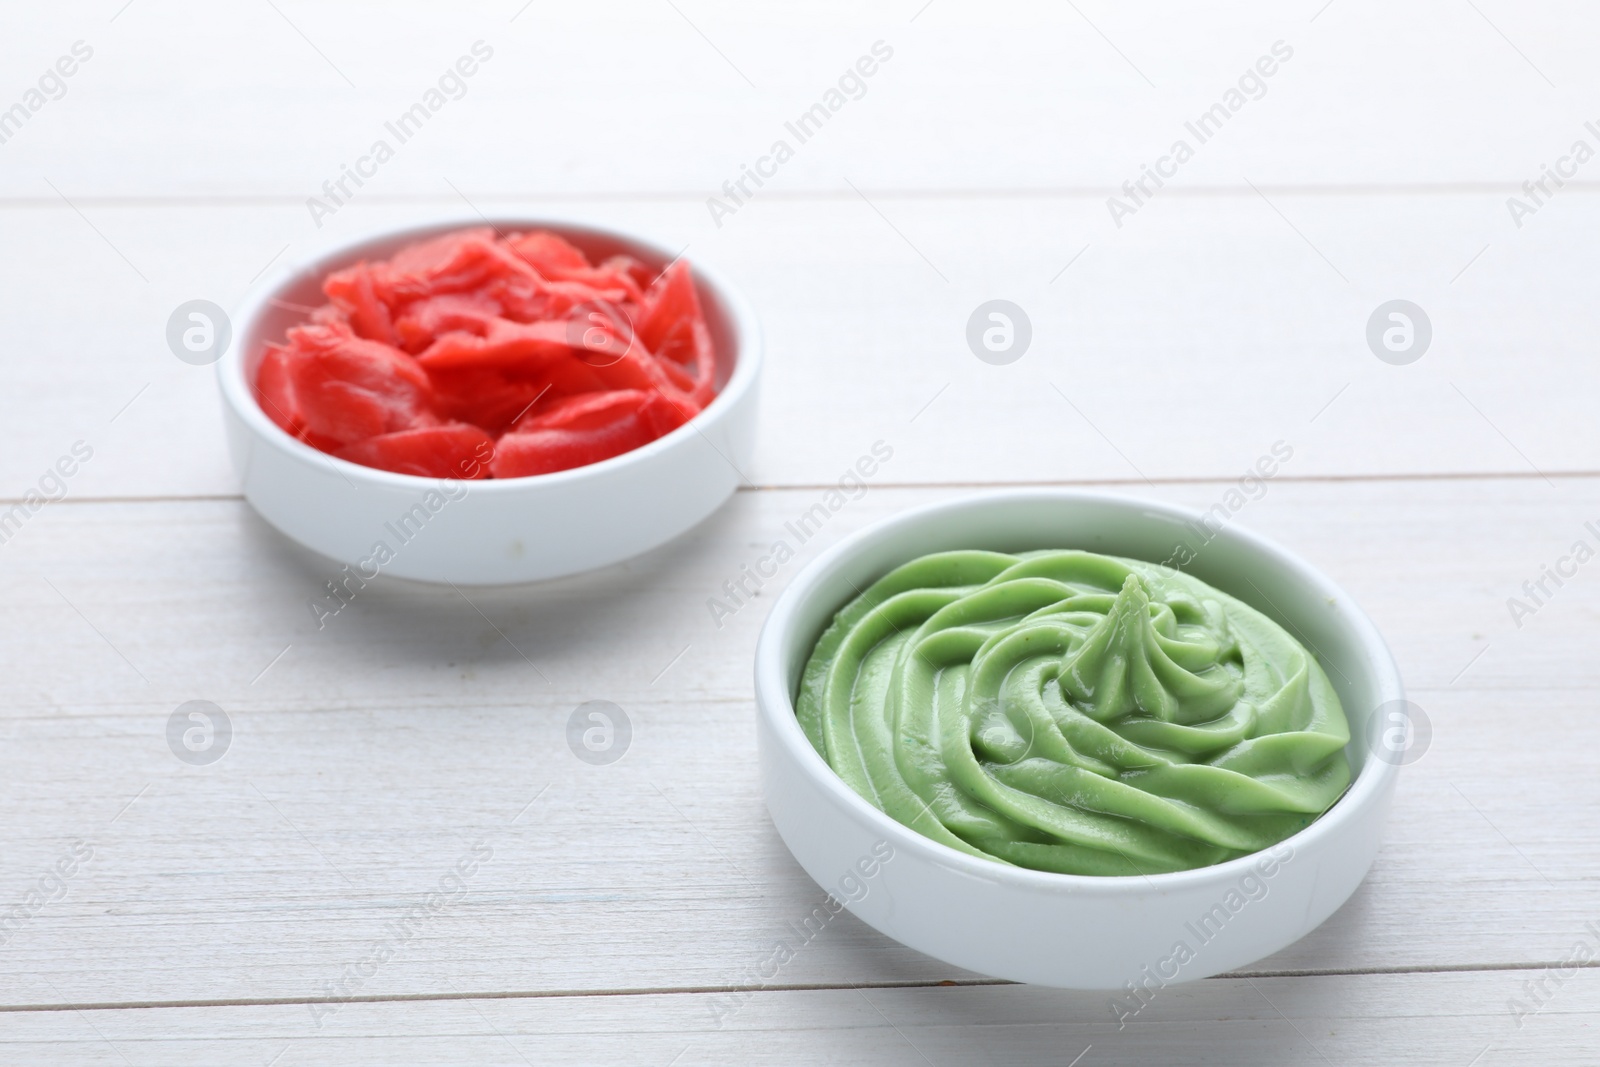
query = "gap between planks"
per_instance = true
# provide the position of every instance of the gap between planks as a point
(647, 991)
(1065, 192)
(1283, 479)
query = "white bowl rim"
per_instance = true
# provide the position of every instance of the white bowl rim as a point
(775, 704)
(331, 254)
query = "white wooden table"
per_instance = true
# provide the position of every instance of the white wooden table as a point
(272, 907)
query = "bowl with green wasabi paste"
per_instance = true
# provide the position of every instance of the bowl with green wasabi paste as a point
(1076, 739)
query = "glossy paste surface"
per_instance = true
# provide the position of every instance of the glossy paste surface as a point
(1073, 712)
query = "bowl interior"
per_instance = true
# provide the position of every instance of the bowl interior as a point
(293, 298)
(1243, 565)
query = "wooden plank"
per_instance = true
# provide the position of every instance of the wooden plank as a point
(369, 757)
(1271, 1022)
(634, 96)
(1183, 346)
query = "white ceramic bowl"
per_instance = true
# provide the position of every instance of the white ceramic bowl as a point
(1061, 930)
(491, 531)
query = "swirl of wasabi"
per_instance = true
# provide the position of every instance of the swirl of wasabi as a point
(1073, 712)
